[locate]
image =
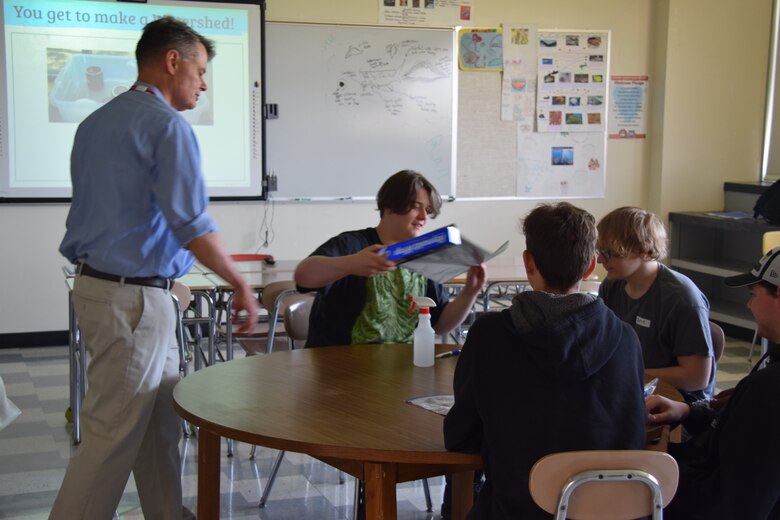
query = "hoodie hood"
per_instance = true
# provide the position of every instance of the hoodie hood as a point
(567, 335)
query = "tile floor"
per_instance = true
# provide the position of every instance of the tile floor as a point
(34, 451)
(35, 448)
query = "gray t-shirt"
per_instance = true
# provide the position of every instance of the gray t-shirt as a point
(671, 320)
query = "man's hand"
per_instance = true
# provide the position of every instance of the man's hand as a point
(209, 250)
(244, 300)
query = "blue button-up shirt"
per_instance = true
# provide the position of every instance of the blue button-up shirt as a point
(138, 193)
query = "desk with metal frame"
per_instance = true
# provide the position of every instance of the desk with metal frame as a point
(200, 285)
(257, 281)
(77, 359)
(203, 289)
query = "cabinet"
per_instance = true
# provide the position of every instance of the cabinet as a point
(708, 248)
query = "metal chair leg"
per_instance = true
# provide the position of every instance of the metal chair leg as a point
(427, 491)
(271, 478)
(356, 505)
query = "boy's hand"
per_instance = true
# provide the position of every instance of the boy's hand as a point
(367, 262)
(663, 410)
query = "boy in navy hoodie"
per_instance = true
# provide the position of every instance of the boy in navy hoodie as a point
(557, 371)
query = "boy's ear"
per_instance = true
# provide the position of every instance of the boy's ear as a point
(528, 261)
(590, 269)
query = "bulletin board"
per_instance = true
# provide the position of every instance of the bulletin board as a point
(502, 159)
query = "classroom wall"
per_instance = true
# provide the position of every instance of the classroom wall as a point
(707, 64)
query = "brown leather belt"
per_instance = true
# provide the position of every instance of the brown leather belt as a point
(150, 281)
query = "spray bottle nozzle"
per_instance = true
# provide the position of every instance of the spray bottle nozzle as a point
(423, 302)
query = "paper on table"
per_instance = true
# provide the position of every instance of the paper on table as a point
(445, 264)
(439, 404)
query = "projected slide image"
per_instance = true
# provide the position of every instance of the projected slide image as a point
(79, 55)
(80, 81)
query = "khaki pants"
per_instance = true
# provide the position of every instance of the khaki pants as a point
(128, 420)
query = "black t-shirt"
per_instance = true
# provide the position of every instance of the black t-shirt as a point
(347, 310)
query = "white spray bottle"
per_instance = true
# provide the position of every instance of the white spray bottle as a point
(423, 335)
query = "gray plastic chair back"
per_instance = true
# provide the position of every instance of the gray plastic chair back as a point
(296, 317)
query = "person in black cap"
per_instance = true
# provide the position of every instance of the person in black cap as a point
(731, 467)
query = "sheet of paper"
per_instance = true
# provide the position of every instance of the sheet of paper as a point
(445, 264)
(438, 13)
(518, 83)
(560, 165)
(439, 404)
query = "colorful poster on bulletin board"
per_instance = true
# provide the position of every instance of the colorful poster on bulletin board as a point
(480, 49)
(573, 69)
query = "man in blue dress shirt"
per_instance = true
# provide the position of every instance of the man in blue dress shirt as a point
(137, 218)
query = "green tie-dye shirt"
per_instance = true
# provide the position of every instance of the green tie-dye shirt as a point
(385, 317)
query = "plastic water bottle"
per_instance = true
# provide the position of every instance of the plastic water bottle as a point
(424, 335)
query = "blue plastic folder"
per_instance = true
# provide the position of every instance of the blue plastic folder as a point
(422, 245)
(440, 255)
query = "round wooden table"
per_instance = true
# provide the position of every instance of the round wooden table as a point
(343, 405)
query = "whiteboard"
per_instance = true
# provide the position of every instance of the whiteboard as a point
(357, 104)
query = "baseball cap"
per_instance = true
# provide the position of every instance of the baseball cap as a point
(768, 270)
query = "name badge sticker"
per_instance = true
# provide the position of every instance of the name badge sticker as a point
(643, 322)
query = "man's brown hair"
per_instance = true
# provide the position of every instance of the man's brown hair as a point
(168, 33)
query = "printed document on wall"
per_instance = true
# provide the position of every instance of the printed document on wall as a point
(518, 88)
(573, 68)
(628, 107)
(560, 165)
(431, 13)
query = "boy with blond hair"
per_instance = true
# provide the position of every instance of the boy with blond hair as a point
(665, 308)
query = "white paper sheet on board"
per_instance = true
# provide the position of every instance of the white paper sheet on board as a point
(560, 165)
(431, 13)
(518, 88)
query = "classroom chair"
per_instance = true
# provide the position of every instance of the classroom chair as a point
(718, 340)
(180, 294)
(78, 352)
(265, 331)
(604, 484)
